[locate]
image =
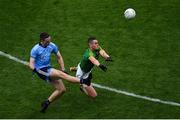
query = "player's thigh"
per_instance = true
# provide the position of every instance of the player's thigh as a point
(57, 74)
(90, 91)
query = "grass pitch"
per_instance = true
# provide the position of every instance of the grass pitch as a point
(145, 52)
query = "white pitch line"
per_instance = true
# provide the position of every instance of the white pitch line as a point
(105, 87)
(13, 58)
(135, 95)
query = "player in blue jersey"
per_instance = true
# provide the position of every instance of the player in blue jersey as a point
(40, 64)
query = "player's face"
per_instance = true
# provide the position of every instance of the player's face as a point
(94, 45)
(47, 41)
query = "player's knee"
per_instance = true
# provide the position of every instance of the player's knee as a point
(94, 95)
(61, 90)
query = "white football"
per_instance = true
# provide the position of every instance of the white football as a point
(129, 13)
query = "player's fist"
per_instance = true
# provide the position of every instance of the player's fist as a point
(109, 59)
(34, 70)
(73, 69)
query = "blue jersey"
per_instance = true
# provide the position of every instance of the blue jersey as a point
(42, 55)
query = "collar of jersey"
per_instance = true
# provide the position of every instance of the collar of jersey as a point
(42, 45)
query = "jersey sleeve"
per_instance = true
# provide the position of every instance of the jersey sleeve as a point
(87, 54)
(90, 54)
(33, 53)
(55, 49)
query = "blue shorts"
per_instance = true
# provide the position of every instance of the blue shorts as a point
(45, 74)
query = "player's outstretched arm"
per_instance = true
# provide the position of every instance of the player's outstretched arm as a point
(105, 55)
(61, 61)
(97, 63)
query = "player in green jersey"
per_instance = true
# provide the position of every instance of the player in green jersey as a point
(90, 58)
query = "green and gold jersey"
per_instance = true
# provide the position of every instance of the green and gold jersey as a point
(85, 64)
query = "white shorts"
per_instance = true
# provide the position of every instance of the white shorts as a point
(81, 74)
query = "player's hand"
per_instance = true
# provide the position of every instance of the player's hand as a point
(104, 68)
(109, 59)
(34, 70)
(73, 69)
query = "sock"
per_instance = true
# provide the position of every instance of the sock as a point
(48, 102)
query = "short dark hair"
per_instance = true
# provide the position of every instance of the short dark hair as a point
(43, 35)
(90, 39)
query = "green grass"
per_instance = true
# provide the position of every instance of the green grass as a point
(145, 52)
